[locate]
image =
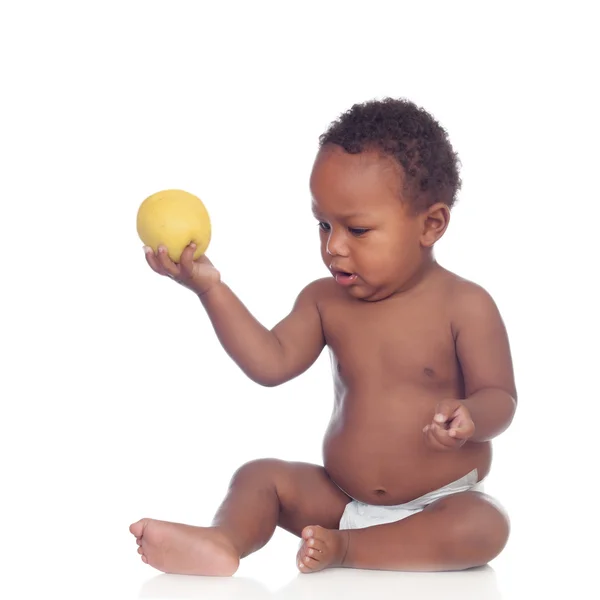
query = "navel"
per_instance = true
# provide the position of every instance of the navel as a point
(429, 372)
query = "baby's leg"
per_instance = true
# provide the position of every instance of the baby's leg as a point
(457, 532)
(262, 494)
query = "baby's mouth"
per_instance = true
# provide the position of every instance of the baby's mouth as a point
(344, 277)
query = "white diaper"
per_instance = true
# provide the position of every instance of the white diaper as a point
(358, 515)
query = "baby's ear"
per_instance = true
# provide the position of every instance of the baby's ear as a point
(435, 221)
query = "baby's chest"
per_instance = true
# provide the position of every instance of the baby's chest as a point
(417, 346)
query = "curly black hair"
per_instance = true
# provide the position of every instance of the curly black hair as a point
(412, 137)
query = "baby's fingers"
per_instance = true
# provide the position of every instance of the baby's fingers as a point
(462, 430)
(442, 435)
(439, 438)
(165, 262)
(152, 260)
(187, 259)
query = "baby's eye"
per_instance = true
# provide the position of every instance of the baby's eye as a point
(324, 226)
(357, 231)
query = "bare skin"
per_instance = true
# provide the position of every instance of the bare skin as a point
(408, 340)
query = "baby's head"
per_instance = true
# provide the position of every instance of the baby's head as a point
(383, 183)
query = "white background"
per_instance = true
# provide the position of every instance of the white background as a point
(118, 401)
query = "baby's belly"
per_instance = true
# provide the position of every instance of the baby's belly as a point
(375, 450)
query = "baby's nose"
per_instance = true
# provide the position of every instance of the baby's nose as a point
(336, 245)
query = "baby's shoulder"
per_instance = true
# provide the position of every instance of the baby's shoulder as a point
(318, 290)
(466, 298)
(463, 289)
(326, 296)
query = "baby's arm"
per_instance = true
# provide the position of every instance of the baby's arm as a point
(268, 357)
(484, 354)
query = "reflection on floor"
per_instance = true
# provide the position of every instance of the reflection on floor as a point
(475, 584)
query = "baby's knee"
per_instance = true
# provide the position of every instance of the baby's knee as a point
(486, 529)
(476, 529)
(261, 470)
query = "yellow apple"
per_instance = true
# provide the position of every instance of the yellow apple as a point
(175, 219)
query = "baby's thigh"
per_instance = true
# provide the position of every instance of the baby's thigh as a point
(307, 496)
(473, 518)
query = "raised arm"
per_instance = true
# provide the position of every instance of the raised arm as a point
(268, 357)
(483, 351)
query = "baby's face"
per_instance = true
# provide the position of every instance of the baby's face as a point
(369, 240)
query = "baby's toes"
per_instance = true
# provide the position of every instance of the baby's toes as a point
(308, 563)
(137, 529)
(315, 544)
(306, 556)
(314, 554)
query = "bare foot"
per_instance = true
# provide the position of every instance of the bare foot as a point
(321, 548)
(184, 549)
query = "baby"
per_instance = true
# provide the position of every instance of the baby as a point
(421, 363)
